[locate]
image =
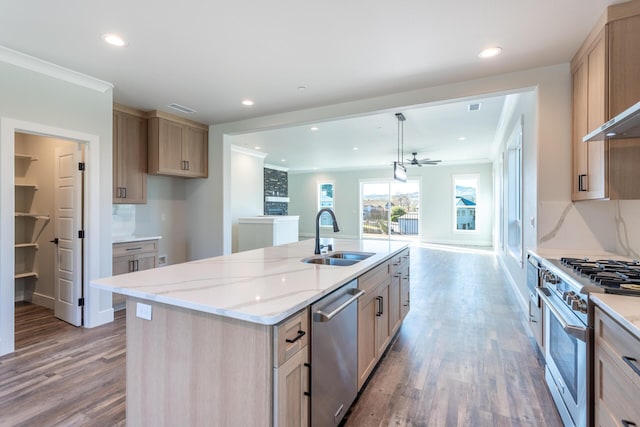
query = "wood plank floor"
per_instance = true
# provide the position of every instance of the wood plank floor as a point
(463, 357)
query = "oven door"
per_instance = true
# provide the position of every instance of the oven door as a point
(566, 358)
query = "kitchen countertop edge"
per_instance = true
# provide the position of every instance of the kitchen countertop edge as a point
(623, 309)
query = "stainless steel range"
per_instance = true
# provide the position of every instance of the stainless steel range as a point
(565, 285)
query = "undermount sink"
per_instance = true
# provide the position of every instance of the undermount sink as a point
(339, 258)
(358, 256)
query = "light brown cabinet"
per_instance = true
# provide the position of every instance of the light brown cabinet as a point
(616, 373)
(292, 371)
(177, 147)
(129, 156)
(604, 73)
(381, 310)
(132, 256)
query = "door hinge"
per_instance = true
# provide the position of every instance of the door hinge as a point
(81, 302)
(81, 166)
(80, 234)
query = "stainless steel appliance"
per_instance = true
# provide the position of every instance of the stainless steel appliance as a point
(334, 355)
(565, 287)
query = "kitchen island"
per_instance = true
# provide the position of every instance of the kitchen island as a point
(221, 341)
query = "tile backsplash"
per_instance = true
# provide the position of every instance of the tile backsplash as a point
(123, 220)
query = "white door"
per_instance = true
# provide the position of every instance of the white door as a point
(68, 223)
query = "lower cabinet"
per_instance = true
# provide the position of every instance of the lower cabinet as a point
(132, 256)
(536, 320)
(616, 373)
(291, 398)
(291, 393)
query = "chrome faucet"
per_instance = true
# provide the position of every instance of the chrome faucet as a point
(335, 227)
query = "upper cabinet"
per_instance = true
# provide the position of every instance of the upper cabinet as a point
(177, 147)
(605, 82)
(129, 155)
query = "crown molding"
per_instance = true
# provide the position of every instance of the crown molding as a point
(50, 69)
(248, 151)
(278, 168)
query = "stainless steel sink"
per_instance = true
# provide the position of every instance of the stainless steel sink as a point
(339, 258)
(358, 256)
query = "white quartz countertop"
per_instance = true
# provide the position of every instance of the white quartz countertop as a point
(129, 239)
(624, 309)
(262, 286)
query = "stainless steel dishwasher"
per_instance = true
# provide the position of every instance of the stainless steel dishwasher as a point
(334, 355)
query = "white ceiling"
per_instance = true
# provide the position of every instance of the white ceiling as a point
(210, 55)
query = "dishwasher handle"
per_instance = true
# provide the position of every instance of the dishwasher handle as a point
(321, 316)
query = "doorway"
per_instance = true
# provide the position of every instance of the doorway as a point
(49, 223)
(390, 210)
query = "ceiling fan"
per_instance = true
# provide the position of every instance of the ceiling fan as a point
(415, 162)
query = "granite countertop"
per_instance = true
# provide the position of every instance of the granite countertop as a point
(261, 286)
(624, 309)
(133, 238)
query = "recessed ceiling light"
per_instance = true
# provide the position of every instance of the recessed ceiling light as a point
(302, 88)
(314, 128)
(257, 148)
(462, 138)
(490, 52)
(247, 103)
(114, 39)
(283, 160)
(355, 148)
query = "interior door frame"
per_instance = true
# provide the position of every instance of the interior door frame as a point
(91, 217)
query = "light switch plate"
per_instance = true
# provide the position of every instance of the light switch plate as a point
(143, 311)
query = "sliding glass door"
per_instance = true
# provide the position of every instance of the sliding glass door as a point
(390, 210)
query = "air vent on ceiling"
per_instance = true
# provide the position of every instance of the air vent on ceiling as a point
(181, 108)
(475, 107)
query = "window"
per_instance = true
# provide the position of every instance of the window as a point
(465, 189)
(514, 194)
(325, 200)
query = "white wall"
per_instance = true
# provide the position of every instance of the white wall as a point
(247, 187)
(436, 204)
(78, 109)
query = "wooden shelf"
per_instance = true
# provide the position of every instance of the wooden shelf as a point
(26, 274)
(35, 187)
(26, 245)
(25, 157)
(32, 215)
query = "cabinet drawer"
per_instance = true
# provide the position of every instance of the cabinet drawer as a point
(610, 333)
(615, 391)
(372, 278)
(134, 248)
(290, 336)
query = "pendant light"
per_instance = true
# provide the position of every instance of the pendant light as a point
(399, 171)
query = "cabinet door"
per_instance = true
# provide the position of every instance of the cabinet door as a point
(535, 322)
(129, 158)
(291, 391)
(405, 294)
(146, 261)
(195, 152)
(580, 129)
(122, 265)
(382, 321)
(367, 309)
(624, 64)
(170, 138)
(394, 302)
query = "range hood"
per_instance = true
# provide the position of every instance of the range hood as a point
(624, 125)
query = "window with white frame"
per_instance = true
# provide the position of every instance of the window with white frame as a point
(326, 200)
(465, 189)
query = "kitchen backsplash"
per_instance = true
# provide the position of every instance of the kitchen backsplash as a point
(123, 220)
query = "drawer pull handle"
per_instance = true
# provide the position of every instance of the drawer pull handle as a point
(632, 364)
(297, 337)
(134, 249)
(626, 423)
(308, 393)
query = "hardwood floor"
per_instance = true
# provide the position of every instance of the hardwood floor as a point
(463, 357)
(61, 375)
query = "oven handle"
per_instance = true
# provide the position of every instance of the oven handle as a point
(578, 332)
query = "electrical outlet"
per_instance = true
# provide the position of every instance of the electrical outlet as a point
(143, 311)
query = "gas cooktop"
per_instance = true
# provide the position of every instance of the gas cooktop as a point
(609, 275)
